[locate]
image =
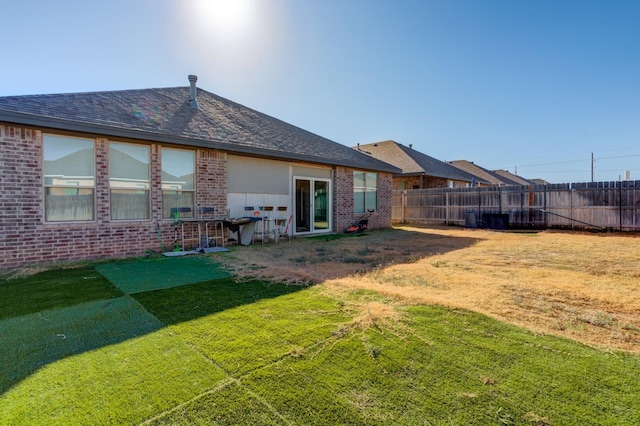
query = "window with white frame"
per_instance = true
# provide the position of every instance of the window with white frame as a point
(178, 183)
(365, 191)
(129, 181)
(69, 178)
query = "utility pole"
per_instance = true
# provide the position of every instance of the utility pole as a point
(592, 167)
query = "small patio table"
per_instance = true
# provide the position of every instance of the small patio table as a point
(243, 227)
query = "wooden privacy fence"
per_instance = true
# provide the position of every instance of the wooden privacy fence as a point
(605, 205)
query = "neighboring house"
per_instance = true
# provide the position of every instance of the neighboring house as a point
(538, 181)
(507, 176)
(90, 175)
(418, 170)
(496, 177)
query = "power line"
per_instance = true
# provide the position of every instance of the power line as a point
(618, 156)
(554, 163)
(596, 159)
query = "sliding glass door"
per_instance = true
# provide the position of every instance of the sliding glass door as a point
(312, 205)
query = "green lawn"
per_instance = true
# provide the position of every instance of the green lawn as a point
(74, 349)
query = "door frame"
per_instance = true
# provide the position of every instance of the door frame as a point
(329, 207)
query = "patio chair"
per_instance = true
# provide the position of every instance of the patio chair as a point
(256, 216)
(281, 224)
(267, 219)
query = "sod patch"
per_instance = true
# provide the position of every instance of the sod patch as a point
(153, 274)
(119, 384)
(52, 289)
(30, 342)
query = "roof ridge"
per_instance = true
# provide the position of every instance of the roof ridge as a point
(92, 92)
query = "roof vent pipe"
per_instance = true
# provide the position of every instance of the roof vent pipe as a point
(193, 92)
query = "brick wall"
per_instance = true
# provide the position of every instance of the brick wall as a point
(382, 217)
(20, 194)
(211, 169)
(343, 201)
(25, 238)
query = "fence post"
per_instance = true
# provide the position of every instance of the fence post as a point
(403, 206)
(446, 213)
(521, 221)
(531, 204)
(620, 198)
(479, 206)
(545, 219)
(571, 205)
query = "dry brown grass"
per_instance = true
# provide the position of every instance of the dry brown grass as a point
(22, 272)
(577, 285)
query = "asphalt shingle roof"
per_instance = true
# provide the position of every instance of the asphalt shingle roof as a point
(497, 177)
(517, 180)
(164, 115)
(415, 162)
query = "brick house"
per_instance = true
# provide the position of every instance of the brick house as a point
(99, 175)
(418, 170)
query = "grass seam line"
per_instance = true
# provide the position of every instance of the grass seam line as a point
(229, 380)
(266, 403)
(223, 384)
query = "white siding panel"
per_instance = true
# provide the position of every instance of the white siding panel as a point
(312, 172)
(236, 203)
(257, 176)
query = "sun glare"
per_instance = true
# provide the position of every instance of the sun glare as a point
(225, 18)
(231, 39)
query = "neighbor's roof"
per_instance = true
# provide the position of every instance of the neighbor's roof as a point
(413, 162)
(497, 177)
(505, 174)
(164, 115)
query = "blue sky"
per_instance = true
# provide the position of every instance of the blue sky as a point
(529, 86)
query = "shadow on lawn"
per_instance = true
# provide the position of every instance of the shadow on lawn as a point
(31, 340)
(179, 304)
